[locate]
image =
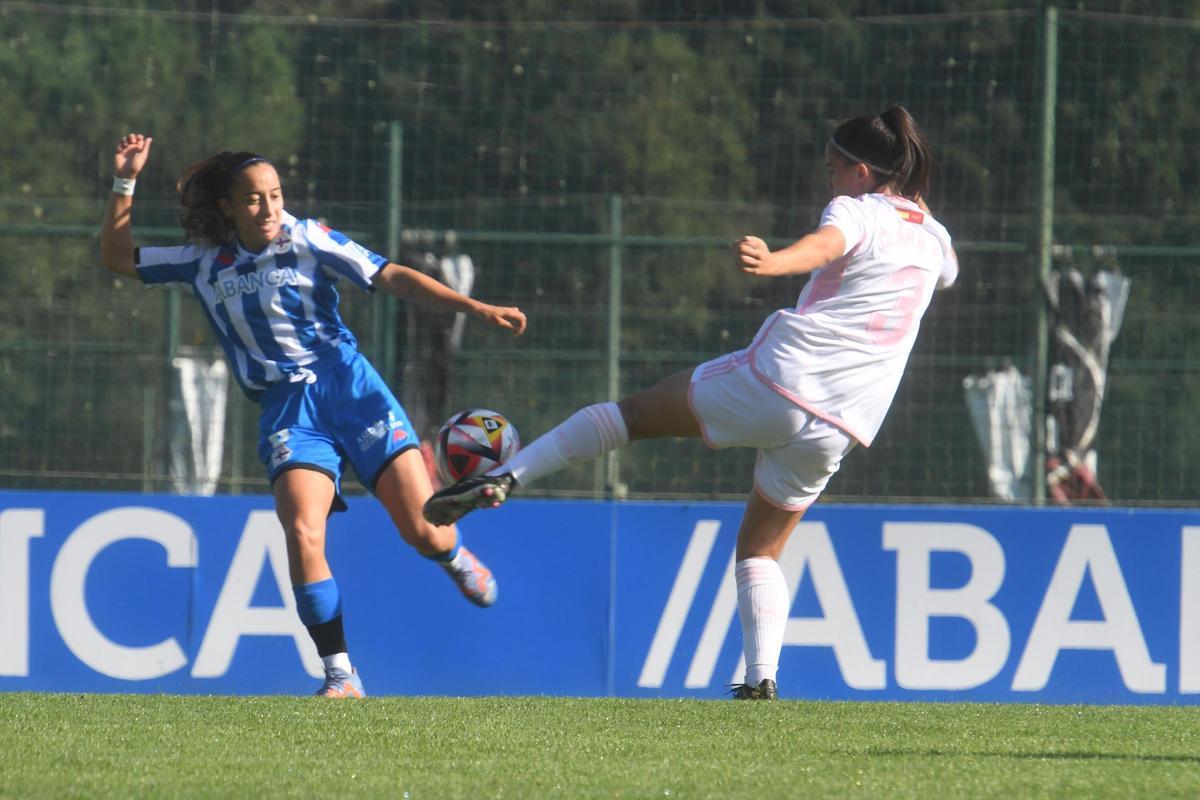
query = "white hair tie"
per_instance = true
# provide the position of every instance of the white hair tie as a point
(833, 143)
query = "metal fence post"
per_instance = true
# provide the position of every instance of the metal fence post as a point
(609, 481)
(385, 328)
(171, 315)
(237, 416)
(1045, 245)
(150, 412)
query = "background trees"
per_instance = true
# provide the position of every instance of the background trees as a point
(522, 121)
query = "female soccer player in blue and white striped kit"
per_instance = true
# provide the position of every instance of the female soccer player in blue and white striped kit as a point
(266, 281)
(817, 380)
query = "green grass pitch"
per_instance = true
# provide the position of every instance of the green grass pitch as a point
(61, 746)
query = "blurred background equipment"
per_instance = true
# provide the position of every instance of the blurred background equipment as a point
(1087, 314)
(1001, 409)
(196, 424)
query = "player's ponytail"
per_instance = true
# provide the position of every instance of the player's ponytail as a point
(892, 146)
(201, 186)
(915, 166)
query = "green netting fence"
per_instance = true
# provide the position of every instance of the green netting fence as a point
(595, 171)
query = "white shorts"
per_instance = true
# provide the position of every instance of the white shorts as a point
(797, 452)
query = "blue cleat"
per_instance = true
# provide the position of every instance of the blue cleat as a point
(339, 683)
(473, 577)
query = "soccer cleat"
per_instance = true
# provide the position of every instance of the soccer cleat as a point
(473, 577)
(339, 683)
(448, 505)
(764, 691)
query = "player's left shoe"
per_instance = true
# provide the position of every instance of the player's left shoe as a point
(474, 579)
(764, 691)
(341, 684)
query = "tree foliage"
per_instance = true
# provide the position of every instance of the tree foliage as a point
(706, 120)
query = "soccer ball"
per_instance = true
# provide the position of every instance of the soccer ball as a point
(473, 442)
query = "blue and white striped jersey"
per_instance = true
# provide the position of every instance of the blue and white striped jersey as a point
(275, 312)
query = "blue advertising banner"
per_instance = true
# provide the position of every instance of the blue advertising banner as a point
(156, 593)
(923, 603)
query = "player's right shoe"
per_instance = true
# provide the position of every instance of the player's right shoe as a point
(474, 579)
(451, 504)
(341, 684)
(764, 691)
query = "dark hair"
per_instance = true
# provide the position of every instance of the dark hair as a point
(200, 187)
(892, 146)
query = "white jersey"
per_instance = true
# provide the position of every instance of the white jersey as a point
(840, 353)
(275, 312)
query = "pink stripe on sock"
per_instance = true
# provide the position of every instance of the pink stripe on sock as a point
(757, 570)
(614, 430)
(601, 417)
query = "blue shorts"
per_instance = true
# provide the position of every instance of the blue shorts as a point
(348, 414)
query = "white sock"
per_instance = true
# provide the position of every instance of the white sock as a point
(763, 608)
(338, 661)
(586, 434)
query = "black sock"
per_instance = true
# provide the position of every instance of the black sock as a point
(329, 637)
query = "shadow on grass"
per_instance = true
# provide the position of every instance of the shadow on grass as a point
(1032, 756)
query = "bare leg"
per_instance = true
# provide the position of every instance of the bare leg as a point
(765, 529)
(662, 410)
(762, 593)
(302, 501)
(403, 487)
(590, 432)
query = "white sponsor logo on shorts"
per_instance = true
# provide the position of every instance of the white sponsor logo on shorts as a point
(372, 434)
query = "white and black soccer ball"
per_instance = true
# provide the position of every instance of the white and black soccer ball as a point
(472, 442)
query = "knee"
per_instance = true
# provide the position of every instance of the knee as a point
(305, 535)
(633, 413)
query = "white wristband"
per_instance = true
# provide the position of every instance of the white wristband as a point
(124, 185)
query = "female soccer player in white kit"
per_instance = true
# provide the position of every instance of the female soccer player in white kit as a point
(816, 380)
(265, 279)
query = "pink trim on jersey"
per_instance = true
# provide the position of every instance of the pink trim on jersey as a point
(832, 419)
(827, 282)
(783, 506)
(723, 364)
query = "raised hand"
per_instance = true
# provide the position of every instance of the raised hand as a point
(131, 155)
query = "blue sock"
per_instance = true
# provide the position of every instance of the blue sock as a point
(449, 554)
(319, 606)
(318, 602)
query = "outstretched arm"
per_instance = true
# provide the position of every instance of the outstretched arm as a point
(814, 251)
(406, 283)
(116, 232)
